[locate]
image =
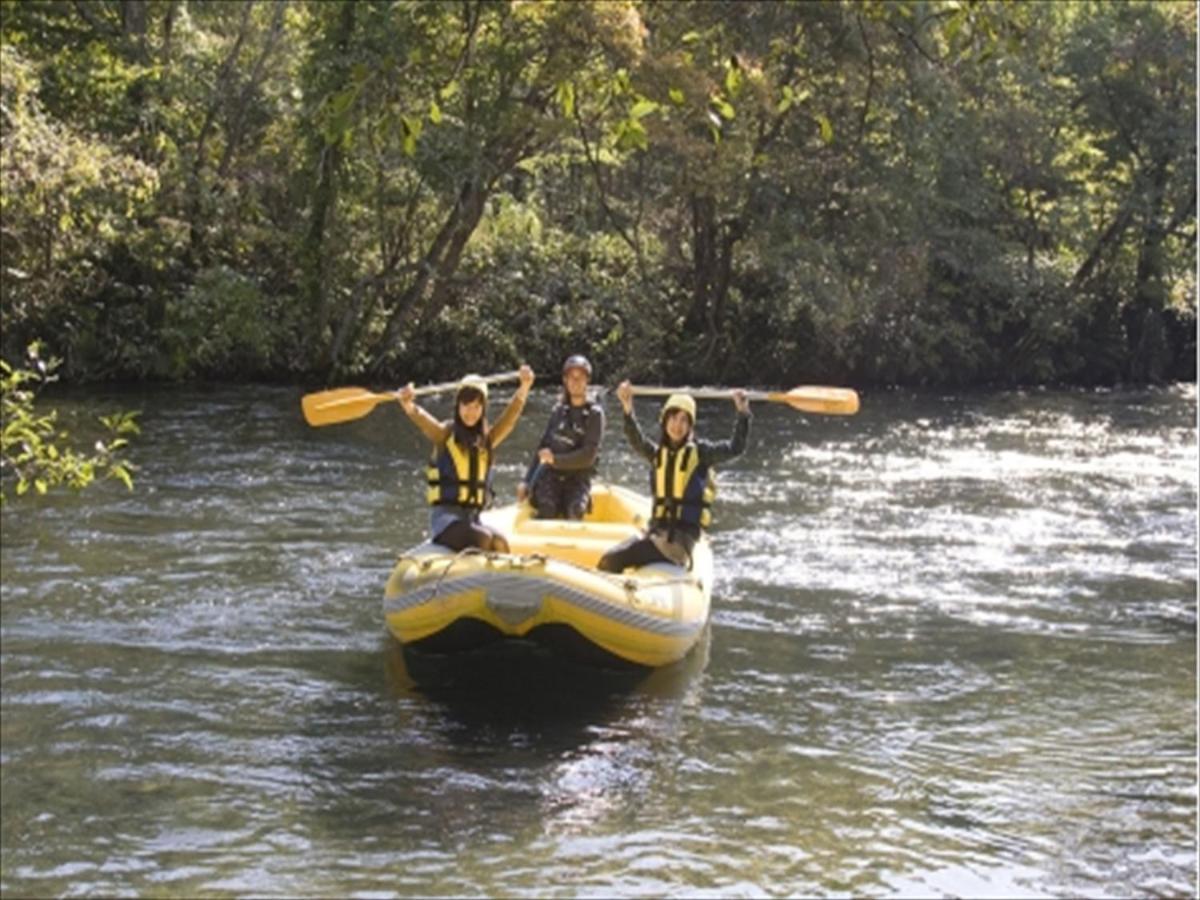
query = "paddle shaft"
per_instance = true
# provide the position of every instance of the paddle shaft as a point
(696, 393)
(807, 398)
(366, 395)
(451, 385)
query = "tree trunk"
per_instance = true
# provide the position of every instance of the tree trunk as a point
(430, 289)
(703, 262)
(237, 124)
(328, 159)
(438, 263)
(133, 19)
(1110, 238)
(713, 244)
(1143, 319)
(168, 28)
(196, 189)
(313, 254)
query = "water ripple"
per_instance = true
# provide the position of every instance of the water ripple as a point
(952, 653)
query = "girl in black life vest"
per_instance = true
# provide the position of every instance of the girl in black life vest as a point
(460, 467)
(681, 480)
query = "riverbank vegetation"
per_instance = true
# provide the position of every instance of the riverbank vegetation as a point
(37, 453)
(863, 193)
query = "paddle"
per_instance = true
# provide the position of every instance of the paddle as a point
(825, 400)
(537, 473)
(347, 404)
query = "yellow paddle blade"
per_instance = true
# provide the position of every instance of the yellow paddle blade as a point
(340, 405)
(825, 400)
(346, 404)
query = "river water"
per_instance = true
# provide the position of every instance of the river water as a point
(952, 653)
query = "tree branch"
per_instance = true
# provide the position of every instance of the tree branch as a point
(86, 8)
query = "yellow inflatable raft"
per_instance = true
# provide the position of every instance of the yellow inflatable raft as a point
(548, 590)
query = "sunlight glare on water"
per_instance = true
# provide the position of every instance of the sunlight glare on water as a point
(953, 653)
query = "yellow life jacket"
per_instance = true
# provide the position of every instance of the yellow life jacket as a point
(459, 475)
(683, 491)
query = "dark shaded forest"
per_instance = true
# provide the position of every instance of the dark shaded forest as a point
(860, 193)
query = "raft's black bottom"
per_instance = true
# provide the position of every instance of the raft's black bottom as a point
(468, 634)
(565, 640)
(459, 636)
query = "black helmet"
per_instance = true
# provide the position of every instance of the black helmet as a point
(577, 361)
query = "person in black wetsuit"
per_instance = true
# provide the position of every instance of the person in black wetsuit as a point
(558, 481)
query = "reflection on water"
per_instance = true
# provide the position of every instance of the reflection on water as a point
(953, 653)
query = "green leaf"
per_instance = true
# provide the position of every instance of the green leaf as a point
(789, 97)
(435, 112)
(724, 107)
(411, 127)
(953, 25)
(564, 93)
(643, 108)
(630, 135)
(733, 81)
(826, 129)
(676, 96)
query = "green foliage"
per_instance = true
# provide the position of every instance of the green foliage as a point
(221, 326)
(858, 191)
(528, 296)
(66, 199)
(36, 453)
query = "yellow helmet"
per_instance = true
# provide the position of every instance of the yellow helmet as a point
(473, 383)
(679, 401)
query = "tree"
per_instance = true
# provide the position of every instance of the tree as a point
(420, 111)
(1134, 74)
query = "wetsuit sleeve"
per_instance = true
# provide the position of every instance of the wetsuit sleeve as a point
(544, 442)
(584, 456)
(716, 452)
(637, 440)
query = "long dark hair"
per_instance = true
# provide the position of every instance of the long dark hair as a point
(477, 435)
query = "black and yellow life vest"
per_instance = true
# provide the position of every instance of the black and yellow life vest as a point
(683, 491)
(459, 475)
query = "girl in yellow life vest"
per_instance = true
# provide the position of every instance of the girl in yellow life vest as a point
(681, 480)
(460, 466)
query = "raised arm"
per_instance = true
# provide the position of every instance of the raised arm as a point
(426, 424)
(633, 432)
(716, 452)
(508, 419)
